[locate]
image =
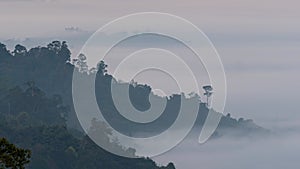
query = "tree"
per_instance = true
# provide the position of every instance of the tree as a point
(64, 52)
(12, 156)
(101, 67)
(81, 63)
(20, 50)
(54, 46)
(2, 47)
(61, 51)
(3, 51)
(208, 92)
(169, 166)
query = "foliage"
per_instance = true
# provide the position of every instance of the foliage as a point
(36, 110)
(12, 156)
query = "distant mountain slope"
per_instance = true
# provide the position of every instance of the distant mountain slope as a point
(27, 112)
(51, 69)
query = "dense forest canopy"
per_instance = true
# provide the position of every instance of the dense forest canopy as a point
(36, 110)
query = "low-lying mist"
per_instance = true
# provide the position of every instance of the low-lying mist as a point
(278, 150)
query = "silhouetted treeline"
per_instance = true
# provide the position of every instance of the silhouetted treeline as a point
(37, 119)
(45, 121)
(51, 68)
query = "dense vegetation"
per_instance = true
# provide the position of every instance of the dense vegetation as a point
(36, 110)
(12, 156)
(33, 119)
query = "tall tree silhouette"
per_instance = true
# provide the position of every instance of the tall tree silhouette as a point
(208, 92)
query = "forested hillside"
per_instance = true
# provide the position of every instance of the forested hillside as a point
(36, 110)
(35, 118)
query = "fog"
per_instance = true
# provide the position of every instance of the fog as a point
(279, 150)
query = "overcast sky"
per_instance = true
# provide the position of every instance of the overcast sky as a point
(258, 41)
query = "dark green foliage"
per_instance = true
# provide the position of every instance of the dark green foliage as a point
(46, 121)
(52, 144)
(32, 103)
(12, 156)
(20, 50)
(4, 53)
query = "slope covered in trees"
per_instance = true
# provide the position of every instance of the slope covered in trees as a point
(37, 112)
(37, 122)
(37, 119)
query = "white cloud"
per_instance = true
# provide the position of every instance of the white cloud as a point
(274, 152)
